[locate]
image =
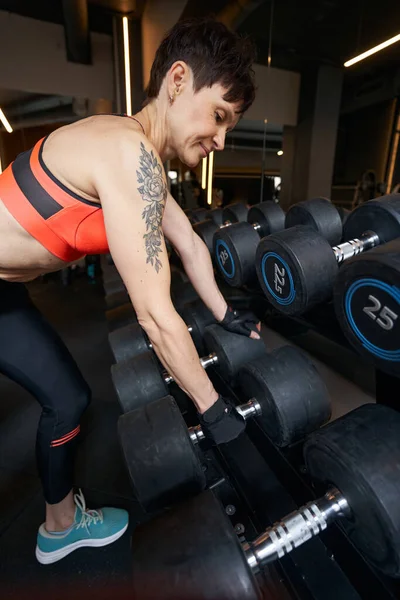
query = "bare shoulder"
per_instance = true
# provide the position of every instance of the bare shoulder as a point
(134, 173)
(126, 151)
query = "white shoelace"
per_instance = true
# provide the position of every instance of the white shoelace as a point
(88, 517)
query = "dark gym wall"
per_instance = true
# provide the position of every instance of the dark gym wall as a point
(363, 142)
(22, 139)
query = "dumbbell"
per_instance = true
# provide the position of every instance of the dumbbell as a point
(288, 400)
(234, 212)
(367, 305)
(182, 294)
(201, 214)
(139, 381)
(230, 215)
(297, 267)
(131, 340)
(235, 248)
(198, 214)
(354, 460)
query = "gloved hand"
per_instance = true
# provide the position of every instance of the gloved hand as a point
(221, 423)
(240, 321)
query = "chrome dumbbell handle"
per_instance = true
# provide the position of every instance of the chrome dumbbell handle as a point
(206, 361)
(251, 408)
(347, 250)
(256, 226)
(295, 529)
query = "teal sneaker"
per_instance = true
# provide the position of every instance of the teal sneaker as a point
(90, 528)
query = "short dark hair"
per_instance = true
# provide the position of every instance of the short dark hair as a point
(214, 53)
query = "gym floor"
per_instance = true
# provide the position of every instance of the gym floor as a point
(77, 313)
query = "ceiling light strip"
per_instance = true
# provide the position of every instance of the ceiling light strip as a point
(357, 59)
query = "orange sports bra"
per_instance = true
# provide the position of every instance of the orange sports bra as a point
(66, 224)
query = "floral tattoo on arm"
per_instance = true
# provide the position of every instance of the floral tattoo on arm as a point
(153, 191)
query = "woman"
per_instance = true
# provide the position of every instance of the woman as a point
(98, 185)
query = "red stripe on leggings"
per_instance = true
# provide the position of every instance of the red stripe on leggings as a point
(66, 438)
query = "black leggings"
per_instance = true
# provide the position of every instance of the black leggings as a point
(33, 355)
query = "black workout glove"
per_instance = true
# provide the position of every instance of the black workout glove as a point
(240, 321)
(221, 423)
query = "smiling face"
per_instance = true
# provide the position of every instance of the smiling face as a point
(199, 121)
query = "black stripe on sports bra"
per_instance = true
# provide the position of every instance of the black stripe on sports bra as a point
(45, 205)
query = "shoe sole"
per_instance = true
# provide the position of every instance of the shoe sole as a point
(46, 558)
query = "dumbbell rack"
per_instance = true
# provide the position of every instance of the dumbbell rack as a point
(269, 483)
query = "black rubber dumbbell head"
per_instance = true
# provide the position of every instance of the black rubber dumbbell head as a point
(162, 462)
(138, 382)
(208, 560)
(296, 269)
(200, 214)
(382, 216)
(367, 305)
(235, 212)
(318, 214)
(293, 397)
(128, 342)
(197, 316)
(359, 454)
(205, 230)
(232, 350)
(120, 316)
(268, 215)
(234, 251)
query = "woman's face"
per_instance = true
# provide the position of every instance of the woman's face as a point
(199, 122)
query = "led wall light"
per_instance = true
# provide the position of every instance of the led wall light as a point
(5, 122)
(204, 173)
(125, 28)
(210, 177)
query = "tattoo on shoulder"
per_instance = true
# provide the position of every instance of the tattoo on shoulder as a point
(154, 192)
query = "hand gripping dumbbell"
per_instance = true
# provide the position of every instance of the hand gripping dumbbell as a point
(297, 267)
(367, 305)
(353, 461)
(131, 340)
(235, 247)
(139, 381)
(288, 400)
(232, 213)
